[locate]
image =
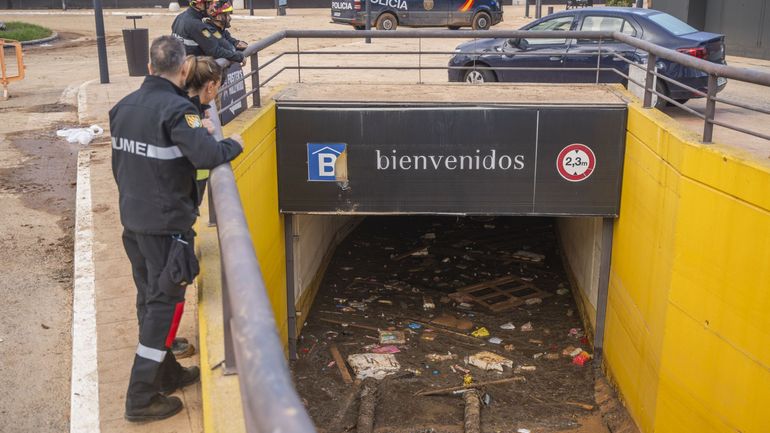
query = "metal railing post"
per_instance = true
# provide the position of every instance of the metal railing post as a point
(526, 8)
(257, 98)
(538, 9)
(598, 61)
(368, 25)
(419, 61)
(708, 126)
(299, 65)
(649, 85)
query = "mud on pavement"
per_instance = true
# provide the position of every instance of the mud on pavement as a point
(411, 275)
(37, 202)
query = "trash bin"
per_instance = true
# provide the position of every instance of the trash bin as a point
(137, 44)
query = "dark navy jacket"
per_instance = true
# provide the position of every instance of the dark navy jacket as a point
(198, 39)
(157, 145)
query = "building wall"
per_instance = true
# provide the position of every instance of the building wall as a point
(687, 323)
(746, 23)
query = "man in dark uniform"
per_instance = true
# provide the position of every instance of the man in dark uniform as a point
(197, 37)
(218, 22)
(158, 142)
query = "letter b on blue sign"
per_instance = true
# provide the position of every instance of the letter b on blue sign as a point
(322, 161)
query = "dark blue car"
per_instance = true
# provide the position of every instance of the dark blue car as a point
(389, 14)
(647, 24)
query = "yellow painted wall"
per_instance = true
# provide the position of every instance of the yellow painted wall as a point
(688, 323)
(257, 178)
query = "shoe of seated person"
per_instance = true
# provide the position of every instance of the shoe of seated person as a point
(160, 407)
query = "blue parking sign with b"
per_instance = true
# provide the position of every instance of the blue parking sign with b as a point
(322, 160)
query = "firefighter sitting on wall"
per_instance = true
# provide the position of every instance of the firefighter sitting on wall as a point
(196, 35)
(218, 21)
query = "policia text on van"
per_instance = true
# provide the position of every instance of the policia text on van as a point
(389, 14)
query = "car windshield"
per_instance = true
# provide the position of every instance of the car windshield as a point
(672, 24)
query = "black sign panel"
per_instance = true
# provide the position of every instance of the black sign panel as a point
(234, 77)
(503, 160)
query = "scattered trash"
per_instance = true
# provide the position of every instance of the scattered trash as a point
(523, 430)
(582, 358)
(465, 306)
(452, 322)
(347, 268)
(374, 365)
(429, 236)
(392, 337)
(552, 356)
(521, 368)
(330, 364)
(527, 327)
(568, 350)
(527, 256)
(467, 379)
(509, 347)
(489, 361)
(435, 357)
(538, 355)
(436, 372)
(80, 135)
(495, 340)
(570, 313)
(385, 301)
(562, 292)
(536, 341)
(509, 326)
(427, 337)
(413, 325)
(385, 349)
(533, 301)
(461, 369)
(481, 332)
(575, 352)
(414, 371)
(427, 303)
(575, 332)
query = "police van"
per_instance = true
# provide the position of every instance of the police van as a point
(389, 14)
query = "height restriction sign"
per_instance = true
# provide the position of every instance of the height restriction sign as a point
(576, 162)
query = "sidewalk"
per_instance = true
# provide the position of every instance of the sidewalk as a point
(114, 291)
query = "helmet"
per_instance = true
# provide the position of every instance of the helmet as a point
(200, 5)
(219, 7)
(219, 11)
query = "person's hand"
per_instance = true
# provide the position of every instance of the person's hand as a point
(209, 125)
(238, 139)
(241, 45)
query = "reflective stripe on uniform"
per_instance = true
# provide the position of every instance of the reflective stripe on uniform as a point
(150, 353)
(146, 150)
(190, 42)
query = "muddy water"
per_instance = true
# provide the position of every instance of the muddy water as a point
(372, 283)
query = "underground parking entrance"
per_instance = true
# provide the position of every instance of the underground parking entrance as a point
(448, 256)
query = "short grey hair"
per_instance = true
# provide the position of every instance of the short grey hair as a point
(167, 55)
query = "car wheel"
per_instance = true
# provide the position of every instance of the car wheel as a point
(682, 101)
(479, 76)
(482, 21)
(454, 27)
(387, 21)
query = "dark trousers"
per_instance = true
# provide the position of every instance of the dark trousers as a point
(159, 312)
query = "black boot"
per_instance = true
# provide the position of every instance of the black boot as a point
(188, 376)
(160, 407)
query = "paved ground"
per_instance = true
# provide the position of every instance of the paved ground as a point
(37, 198)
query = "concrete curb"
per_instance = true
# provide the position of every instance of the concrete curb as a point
(53, 37)
(84, 397)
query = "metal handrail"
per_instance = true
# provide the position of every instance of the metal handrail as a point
(270, 401)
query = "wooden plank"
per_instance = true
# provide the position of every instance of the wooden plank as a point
(340, 364)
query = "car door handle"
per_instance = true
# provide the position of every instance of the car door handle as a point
(554, 58)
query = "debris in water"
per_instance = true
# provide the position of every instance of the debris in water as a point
(489, 361)
(481, 332)
(374, 365)
(392, 337)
